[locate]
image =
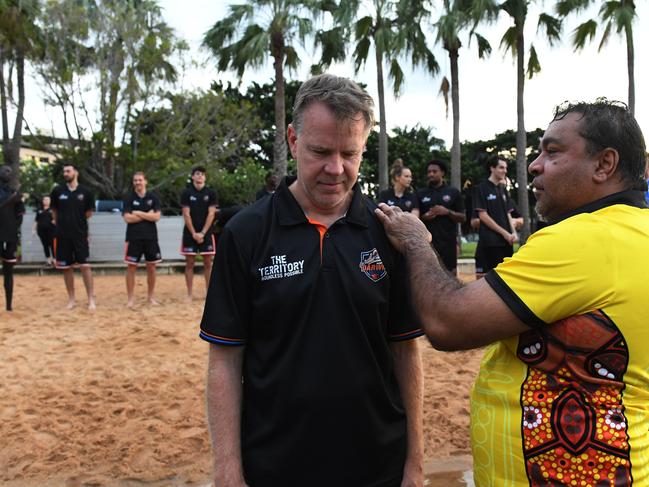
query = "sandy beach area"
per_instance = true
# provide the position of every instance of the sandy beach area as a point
(115, 397)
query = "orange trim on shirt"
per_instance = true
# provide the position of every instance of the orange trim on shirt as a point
(322, 230)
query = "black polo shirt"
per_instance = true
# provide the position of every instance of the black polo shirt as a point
(321, 404)
(494, 199)
(71, 208)
(44, 220)
(199, 203)
(11, 213)
(442, 228)
(407, 202)
(142, 230)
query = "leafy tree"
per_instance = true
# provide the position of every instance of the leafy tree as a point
(103, 60)
(618, 15)
(207, 129)
(255, 30)
(514, 41)
(18, 41)
(261, 100)
(457, 16)
(416, 146)
(393, 29)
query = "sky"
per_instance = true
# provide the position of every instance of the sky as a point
(487, 87)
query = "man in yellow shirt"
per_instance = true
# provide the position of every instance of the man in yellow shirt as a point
(562, 397)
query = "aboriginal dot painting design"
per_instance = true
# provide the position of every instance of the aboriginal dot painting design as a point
(573, 425)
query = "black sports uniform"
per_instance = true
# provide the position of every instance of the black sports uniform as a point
(199, 203)
(407, 202)
(142, 237)
(316, 309)
(11, 216)
(492, 247)
(442, 228)
(46, 229)
(71, 242)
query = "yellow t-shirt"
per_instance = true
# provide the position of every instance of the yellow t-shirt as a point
(567, 403)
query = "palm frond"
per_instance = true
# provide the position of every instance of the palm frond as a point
(584, 33)
(533, 64)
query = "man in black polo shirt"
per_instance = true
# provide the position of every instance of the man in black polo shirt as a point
(141, 211)
(199, 204)
(441, 208)
(309, 305)
(11, 216)
(72, 205)
(494, 207)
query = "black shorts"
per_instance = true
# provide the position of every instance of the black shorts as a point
(191, 247)
(71, 252)
(488, 258)
(8, 251)
(137, 248)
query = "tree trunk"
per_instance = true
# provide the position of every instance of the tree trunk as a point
(630, 62)
(456, 174)
(116, 68)
(3, 102)
(11, 149)
(383, 132)
(521, 137)
(279, 145)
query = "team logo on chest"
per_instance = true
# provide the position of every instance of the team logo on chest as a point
(446, 198)
(372, 266)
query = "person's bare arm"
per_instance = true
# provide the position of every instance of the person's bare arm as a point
(188, 220)
(89, 214)
(131, 218)
(223, 394)
(149, 216)
(211, 215)
(455, 316)
(415, 211)
(54, 216)
(486, 219)
(409, 375)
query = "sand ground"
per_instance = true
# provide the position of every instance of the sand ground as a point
(115, 397)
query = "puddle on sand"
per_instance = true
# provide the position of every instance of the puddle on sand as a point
(454, 471)
(450, 479)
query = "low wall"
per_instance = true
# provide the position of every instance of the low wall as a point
(107, 232)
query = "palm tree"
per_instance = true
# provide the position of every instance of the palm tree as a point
(514, 41)
(457, 16)
(250, 33)
(618, 15)
(393, 29)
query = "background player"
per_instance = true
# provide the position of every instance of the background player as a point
(11, 216)
(199, 204)
(72, 205)
(141, 212)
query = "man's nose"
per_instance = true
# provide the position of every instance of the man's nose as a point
(536, 166)
(334, 164)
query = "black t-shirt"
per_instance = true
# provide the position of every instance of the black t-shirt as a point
(142, 230)
(44, 220)
(11, 211)
(407, 202)
(199, 203)
(321, 404)
(71, 208)
(442, 228)
(496, 202)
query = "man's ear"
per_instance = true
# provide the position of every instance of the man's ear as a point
(291, 136)
(607, 163)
